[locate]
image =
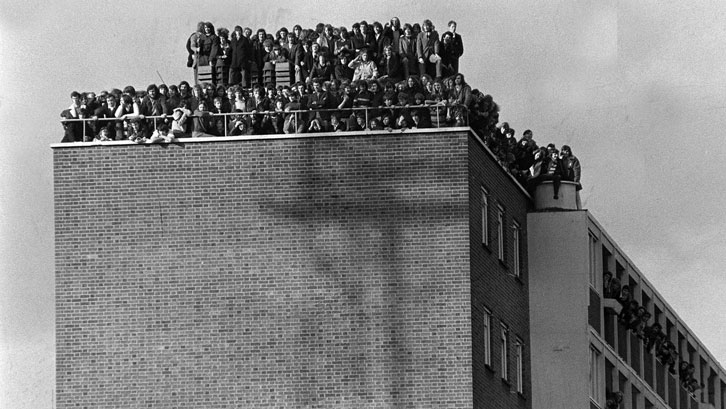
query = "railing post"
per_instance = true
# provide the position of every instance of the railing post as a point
(438, 118)
(296, 112)
(367, 122)
(83, 124)
(225, 125)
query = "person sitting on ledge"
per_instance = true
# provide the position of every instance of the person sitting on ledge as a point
(161, 134)
(179, 121)
(546, 168)
(137, 131)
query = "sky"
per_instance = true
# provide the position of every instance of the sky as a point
(635, 87)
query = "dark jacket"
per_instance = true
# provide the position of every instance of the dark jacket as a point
(240, 52)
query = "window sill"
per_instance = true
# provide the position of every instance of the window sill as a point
(507, 382)
(503, 264)
(489, 368)
(486, 247)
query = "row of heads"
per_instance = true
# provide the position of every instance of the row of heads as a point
(412, 82)
(329, 30)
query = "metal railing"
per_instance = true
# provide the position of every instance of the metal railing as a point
(441, 115)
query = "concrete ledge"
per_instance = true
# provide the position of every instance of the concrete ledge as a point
(266, 137)
(612, 304)
(567, 197)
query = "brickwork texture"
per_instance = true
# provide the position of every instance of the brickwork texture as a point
(326, 272)
(494, 287)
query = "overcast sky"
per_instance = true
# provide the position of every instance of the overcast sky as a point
(636, 88)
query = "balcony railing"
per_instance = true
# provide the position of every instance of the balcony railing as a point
(439, 116)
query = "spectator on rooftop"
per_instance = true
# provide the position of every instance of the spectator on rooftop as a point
(572, 170)
(363, 96)
(367, 32)
(162, 134)
(258, 53)
(240, 54)
(427, 50)
(74, 131)
(136, 131)
(201, 120)
(153, 104)
(448, 54)
(322, 69)
(381, 39)
(208, 50)
(115, 128)
(193, 46)
(357, 39)
(393, 30)
(458, 46)
(185, 93)
(461, 91)
(127, 108)
(326, 41)
(390, 65)
(341, 71)
(223, 56)
(258, 101)
(365, 69)
(179, 121)
(407, 51)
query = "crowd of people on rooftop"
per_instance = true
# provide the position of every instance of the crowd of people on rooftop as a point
(375, 77)
(635, 317)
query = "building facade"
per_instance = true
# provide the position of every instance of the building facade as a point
(583, 354)
(333, 270)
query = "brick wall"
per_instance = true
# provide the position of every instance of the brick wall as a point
(315, 272)
(493, 285)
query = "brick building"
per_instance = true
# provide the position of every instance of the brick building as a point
(357, 270)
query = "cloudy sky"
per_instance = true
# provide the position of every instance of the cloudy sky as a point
(635, 87)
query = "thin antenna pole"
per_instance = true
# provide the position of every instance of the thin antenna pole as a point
(162, 80)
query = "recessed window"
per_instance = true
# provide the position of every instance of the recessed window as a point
(593, 260)
(505, 352)
(487, 337)
(484, 217)
(516, 234)
(595, 376)
(519, 359)
(500, 232)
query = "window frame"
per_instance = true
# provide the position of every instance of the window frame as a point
(519, 362)
(487, 337)
(593, 247)
(516, 243)
(596, 377)
(500, 233)
(484, 216)
(504, 351)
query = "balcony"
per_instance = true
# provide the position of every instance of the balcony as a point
(567, 198)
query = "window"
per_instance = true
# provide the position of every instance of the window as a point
(515, 249)
(487, 337)
(500, 232)
(595, 376)
(505, 352)
(593, 259)
(519, 359)
(484, 217)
